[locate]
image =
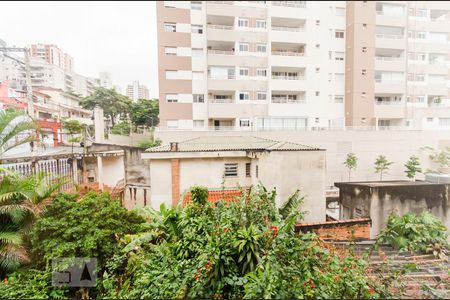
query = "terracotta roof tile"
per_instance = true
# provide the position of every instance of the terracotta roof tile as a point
(214, 196)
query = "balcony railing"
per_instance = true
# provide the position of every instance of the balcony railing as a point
(389, 36)
(301, 4)
(389, 102)
(285, 28)
(223, 52)
(388, 58)
(284, 100)
(221, 2)
(285, 77)
(379, 80)
(389, 14)
(226, 77)
(221, 101)
(288, 53)
(217, 26)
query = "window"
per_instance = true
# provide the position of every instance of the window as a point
(261, 72)
(421, 56)
(260, 23)
(196, 5)
(317, 22)
(363, 72)
(316, 120)
(317, 93)
(330, 55)
(172, 123)
(429, 119)
(198, 98)
(410, 77)
(261, 96)
(244, 123)
(170, 27)
(420, 77)
(248, 167)
(170, 50)
(338, 99)
(444, 121)
(261, 48)
(199, 123)
(339, 11)
(197, 29)
(339, 34)
(339, 55)
(364, 49)
(197, 52)
(171, 97)
(317, 45)
(364, 94)
(243, 47)
(169, 4)
(243, 71)
(244, 96)
(364, 25)
(421, 35)
(242, 22)
(317, 70)
(171, 74)
(231, 170)
(363, 120)
(421, 13)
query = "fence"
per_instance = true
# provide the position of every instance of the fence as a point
(52, 168)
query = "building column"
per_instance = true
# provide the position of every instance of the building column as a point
(175, 163)
(100, 172)
(75, 170)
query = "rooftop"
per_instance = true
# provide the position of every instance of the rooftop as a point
(392, 183)
(232, 143)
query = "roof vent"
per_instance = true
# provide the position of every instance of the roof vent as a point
(173, 146)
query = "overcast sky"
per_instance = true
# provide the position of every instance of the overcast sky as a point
(117, 37)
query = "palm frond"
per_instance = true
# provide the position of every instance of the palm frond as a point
(291, 205)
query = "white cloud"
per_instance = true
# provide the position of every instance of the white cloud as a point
(117, 37)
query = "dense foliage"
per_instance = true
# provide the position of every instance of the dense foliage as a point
(242, 249)
(144, 112)
(70, 227)
(412, 167)
(122, 128)
(382, 165)
(412, 232)
(149, 143)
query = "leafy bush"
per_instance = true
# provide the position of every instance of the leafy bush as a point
(413, 232)
(239, 249)
(149, 143)
(122, 128)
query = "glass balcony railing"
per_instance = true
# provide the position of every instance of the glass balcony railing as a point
(300, 4)
(389, 36)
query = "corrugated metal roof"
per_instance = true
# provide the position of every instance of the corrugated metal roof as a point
(233, 143)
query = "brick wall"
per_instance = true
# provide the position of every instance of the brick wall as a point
(175, 181)
(355, 229)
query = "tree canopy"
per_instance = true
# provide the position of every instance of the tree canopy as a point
(114, 105)
(145, 112)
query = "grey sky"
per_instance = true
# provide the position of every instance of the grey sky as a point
(118, 37)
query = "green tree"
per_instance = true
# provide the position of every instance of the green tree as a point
(382, 165)
(350, 163)
(412, 167)
(16, 128)
(122, 128)
(22, 201)
(149, 143)
(144, 112)
(113, 104)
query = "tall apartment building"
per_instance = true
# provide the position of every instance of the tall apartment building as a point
(297, 64)
(105, 80)
(135, 91)
(247, 64)
(52, 54)
(397, 63)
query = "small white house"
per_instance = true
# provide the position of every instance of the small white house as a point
(232, 162)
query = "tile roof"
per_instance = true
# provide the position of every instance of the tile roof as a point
(214, 196)
(233, 143)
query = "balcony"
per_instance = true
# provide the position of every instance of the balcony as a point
(390, 41)
(389, 87)
(221, 52)
(222, 27)
(289, 83)
(390, 63)
(289, 29)
(288, 9)
(221, 101)
(285, 100)
(298, 4)
(389, 109)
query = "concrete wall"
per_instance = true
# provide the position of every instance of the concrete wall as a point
(288, 171)
(113, 170)
(378, 202)
(396, 145)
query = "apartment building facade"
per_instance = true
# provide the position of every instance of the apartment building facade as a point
(136, 90)
(52, 54)
(397, 64)
(251, 64)
(303, 64)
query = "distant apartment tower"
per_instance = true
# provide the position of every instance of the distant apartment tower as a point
(135, 91)
(105, 80)
(251, 64)
(397, 64)
(52, 54)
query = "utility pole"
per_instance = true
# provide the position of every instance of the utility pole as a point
(30, 106)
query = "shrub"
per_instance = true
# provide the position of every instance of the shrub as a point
(149, 143)
(413, 232)
(122, 128)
